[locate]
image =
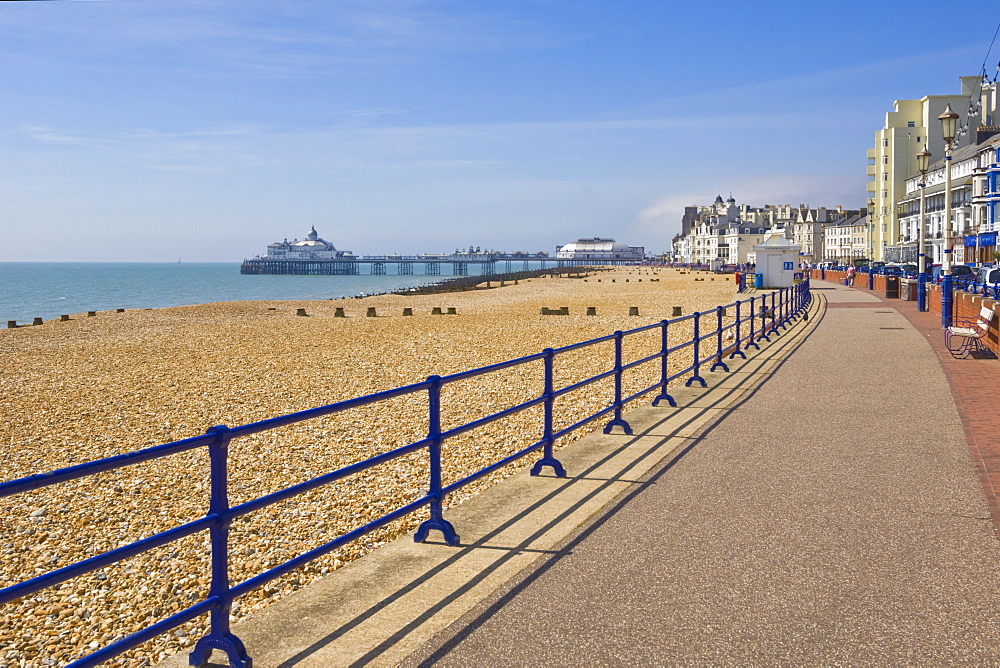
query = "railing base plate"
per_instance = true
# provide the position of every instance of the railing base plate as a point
(557, 467)
(444, 526)
(228, 643)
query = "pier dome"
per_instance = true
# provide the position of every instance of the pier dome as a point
(599, 248)
(313, 247)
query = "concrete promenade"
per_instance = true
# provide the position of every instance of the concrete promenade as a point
(818, 504)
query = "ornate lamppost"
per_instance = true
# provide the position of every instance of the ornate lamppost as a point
(948, 120)
(871, 244)
(923, 162)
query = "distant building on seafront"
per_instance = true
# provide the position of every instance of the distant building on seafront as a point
(311, 248)
(599, 248)
(725, 232)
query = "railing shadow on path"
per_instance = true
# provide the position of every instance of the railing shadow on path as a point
(748, 388)
(724, 401)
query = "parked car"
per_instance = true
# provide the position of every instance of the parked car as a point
(909, 269)
(960, 271)
(988, 278)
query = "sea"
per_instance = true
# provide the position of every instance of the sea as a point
(47, 290)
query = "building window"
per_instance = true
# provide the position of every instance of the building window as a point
(911, 124)
(918, 139)
(885, 142)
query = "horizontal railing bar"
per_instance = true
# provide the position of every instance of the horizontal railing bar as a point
(79, 568)
(583, 383)
(643, 328)
(509, 459)
(326, 478)
(247, 586)
(680, 373)
(679, 346)
(301, 416)
(583, 344)
(566, 430)
(640, 361)
(640, 393)
(39, 480)
(148, 633)
(462, 375)
(487, 419)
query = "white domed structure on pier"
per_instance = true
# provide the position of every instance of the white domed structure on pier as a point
(313, 247)
(599, 248)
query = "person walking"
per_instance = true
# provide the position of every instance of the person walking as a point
(851, 270)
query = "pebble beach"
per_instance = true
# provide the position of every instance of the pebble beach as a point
(92, 387)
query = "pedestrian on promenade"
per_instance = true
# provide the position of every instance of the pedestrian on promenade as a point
(851, 270)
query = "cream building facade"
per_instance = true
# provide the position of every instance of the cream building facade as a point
(910, 127)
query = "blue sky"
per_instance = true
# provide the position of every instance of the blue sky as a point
(161, 129)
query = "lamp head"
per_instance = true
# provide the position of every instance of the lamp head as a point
(923, 160)
(948, 120)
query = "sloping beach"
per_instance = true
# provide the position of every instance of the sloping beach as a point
(92, 387)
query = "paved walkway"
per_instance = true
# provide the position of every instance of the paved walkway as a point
(818, 504)
(834, 517)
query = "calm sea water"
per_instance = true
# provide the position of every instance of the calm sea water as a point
(50, 289)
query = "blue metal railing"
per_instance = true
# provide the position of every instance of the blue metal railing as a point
(754, 320)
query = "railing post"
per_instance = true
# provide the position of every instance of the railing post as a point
(751, 340)
(618, 420)
(548, 459)
(664, 371)
(783, 304)
(696, 347)
(718, 330)
(739, 339)
(774, 308)
(763, 319)
(436, 520)
(219, 635)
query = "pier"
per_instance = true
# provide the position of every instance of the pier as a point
(405, 265)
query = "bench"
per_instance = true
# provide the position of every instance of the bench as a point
(965, 337)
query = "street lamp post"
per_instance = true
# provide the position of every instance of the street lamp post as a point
(870, 228)
(923, 162)
(948, 120)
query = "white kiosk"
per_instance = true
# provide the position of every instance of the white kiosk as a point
(777, 259)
